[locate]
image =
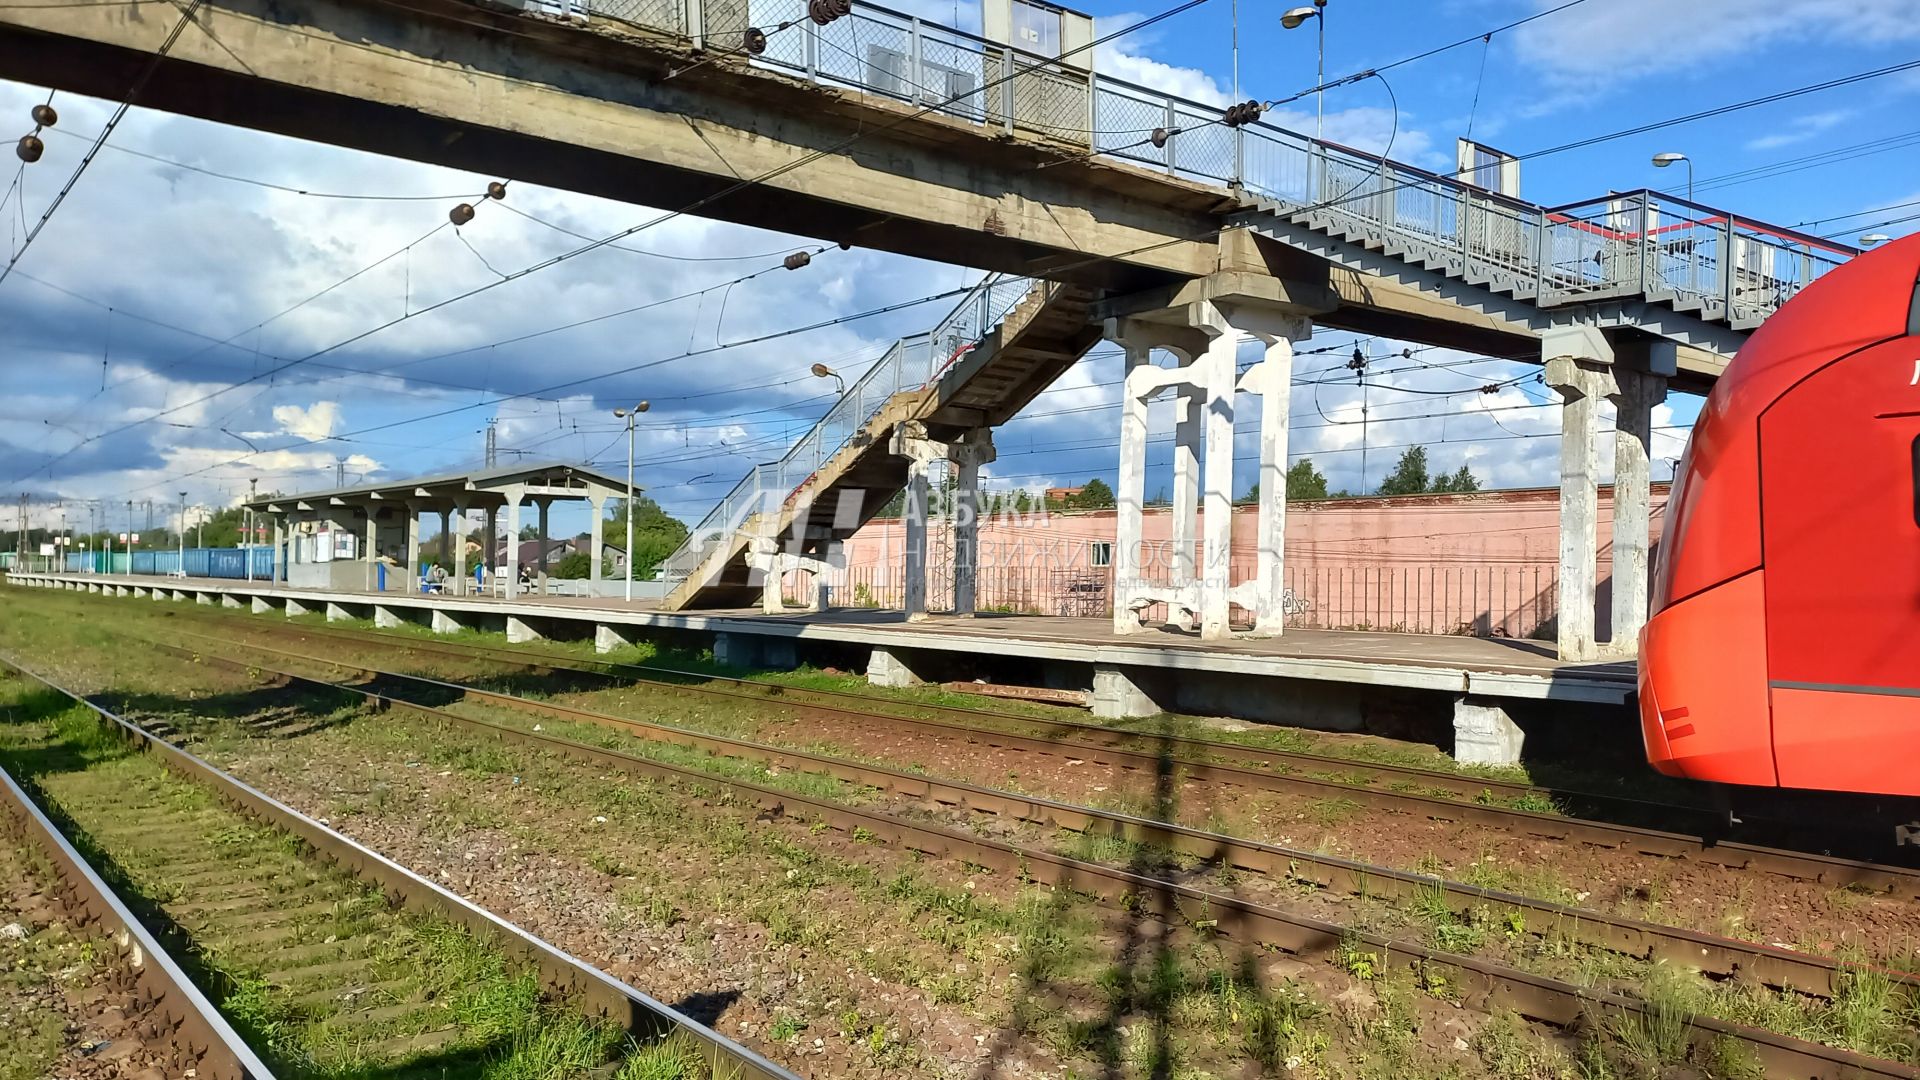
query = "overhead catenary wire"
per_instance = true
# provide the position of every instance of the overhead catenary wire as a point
(126, 103)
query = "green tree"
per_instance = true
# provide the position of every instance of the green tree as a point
(574, 566)
(1022, 501)
(1409, 475)
(1094, 495)
(1462, 480)
(656, 534)
(1252, 496)
(1304, 482)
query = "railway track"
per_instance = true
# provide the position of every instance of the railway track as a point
(1109, 749)
(176, 1022)
(334, 953)
(1486, 985)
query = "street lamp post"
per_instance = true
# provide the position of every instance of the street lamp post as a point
(822, 371)
(183, 534)
(1661, 161)
(630, 415)
(130, 535)
(1292, 20)
(246, 545)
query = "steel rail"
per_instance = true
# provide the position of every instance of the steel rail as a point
(591, 989)
(1724, 957)
(1482, 985)
(1629, 839)
(862, 707)
(176, 1012)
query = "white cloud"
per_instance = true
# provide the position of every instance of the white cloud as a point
(1598, 47)
(1800, 129)
(316, 421)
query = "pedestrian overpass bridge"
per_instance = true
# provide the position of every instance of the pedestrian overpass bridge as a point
(1104, 208)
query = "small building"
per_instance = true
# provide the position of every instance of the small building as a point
(366, 538)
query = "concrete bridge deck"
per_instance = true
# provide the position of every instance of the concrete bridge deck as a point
(1342, 680)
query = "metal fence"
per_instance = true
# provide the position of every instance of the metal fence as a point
(200, 562)
(1518, 601)
(1622, 244)
(913, 362)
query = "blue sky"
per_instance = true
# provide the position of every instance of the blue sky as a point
(155, 287)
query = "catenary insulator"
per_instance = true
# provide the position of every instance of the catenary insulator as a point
(496, 190)
(461, 214)
(30, 148)
(754, 41)
(45, 116)
(796, 260)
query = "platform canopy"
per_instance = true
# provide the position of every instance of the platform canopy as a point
(478, 489)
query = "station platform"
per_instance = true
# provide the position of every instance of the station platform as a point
(1329, 679)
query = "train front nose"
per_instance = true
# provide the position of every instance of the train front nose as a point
(1703, 686)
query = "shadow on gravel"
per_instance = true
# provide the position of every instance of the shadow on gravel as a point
(276, 710)
(35, 705)
(706, 1007)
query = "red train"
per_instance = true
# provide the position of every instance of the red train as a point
(1784, 649)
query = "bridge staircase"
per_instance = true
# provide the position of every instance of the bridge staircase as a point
(1006, 341)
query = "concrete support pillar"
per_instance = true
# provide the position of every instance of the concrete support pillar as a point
(203, 598)
(446, 542)
(540, 558)
(411, 584)
(1483, 733)
(778, 653)
(336, 613)
(1188, 431)
(1636, 395)
(916, 553)
(460, 584)
(228, 600)
(446, 622)
(520, 630)
(608, 637)
(1578, 362)
(1272, 379)
(372, 553)
(386, 618)
(178, 594)
(296, 607)
(1116, 696)
(735, 650)
(596, 544)
(488, 558)
(889, 667)
(510, 566)
(1130, 499)
(1217, 549)
(975, 450)
(280, 558)
(260, 605)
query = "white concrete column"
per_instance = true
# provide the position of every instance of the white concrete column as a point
(540, 559)
(1220, 382)
(372, 554)
(294, 607)
(411, 587)
(1272, 379)
(445, 558)
(910, 441)
(520, 630)
(1129, 560)
(1637, 392)
(386, 618)
(610, 636)
(887, 667)
(1116, 696)
(260, 605)
(461, 585)
(594, 545)
(336, 613)
(967, 456)
(446, 622)
(493, 537)
(281, 556)
(510, 567)
(1574, 368)
(1188, 431)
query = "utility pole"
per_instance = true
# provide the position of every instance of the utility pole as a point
(340, 474)
(253, 492)
(130, 535)
(493, 443)
(183, 534)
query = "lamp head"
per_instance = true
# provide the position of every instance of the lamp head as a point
(1293, 17)
(1661, 161)
(1872, 239)
(822, 371)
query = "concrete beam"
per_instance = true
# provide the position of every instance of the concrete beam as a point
(589, 108)
(892, 668)
(1117, 696)
(608, 637)
(1483, 733)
